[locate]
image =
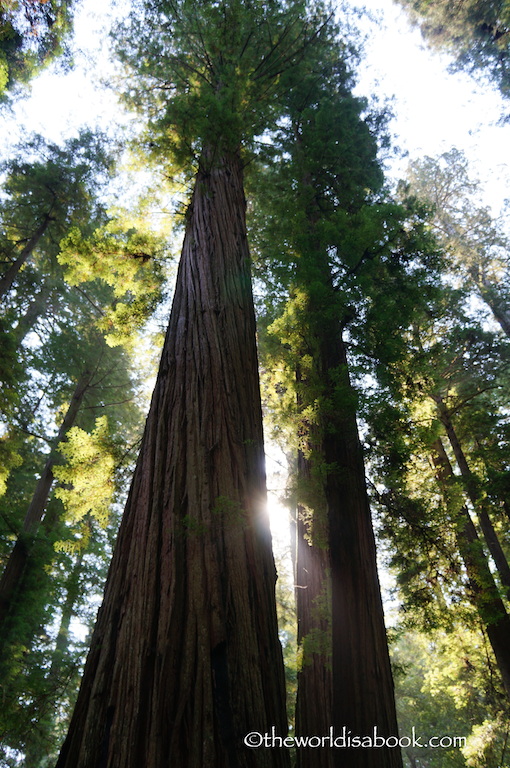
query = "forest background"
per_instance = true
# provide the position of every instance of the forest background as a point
(91, 237)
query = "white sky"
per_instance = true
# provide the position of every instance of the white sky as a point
(434, 110)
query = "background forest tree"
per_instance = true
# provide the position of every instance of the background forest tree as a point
(412, 283)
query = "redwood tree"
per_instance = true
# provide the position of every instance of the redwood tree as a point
(185, 658)
(327, 230)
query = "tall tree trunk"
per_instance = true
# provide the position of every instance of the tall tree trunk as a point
(484, 592)
(479, 504)
(40, 739)
(185, 658)
(313, 608)
(360, 677)
(363, 693)
(7, 280)
(15, 565)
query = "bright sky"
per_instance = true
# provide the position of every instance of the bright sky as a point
(434, 110)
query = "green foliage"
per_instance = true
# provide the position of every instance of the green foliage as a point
(8, 460)
(128, 260)
(475, 32)
(475, 243)
(32, 34)
(87, 477)
(319, 640)
(208, 75)
(59, 320)
(443, 689)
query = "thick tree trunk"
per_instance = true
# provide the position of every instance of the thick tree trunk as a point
(358, 678)
(484, 592)
(479, 504)
(13, 572)
(363, 693)
(9, 277)
(185, 658)
(313, 608)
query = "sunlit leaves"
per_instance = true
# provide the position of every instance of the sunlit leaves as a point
(209, 74)
(129, 262)
(86, 480)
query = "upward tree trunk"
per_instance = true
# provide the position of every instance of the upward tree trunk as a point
(479, 504)
(484, 592)
(313, 609)
(13, 572)
(357, 682)
(7, 280)
(185, 658)
(497, 305)
(363, 693)
(33, 312)
(41, 737)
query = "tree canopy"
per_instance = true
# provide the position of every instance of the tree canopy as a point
(367, 322)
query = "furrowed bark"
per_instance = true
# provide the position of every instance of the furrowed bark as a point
(185, 658)
(360, 675)
(363, 692)
(313, 608)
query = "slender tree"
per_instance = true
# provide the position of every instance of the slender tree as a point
(440, 552)
(484, 591)
(475, 242)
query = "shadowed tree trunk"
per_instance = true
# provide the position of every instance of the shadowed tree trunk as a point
(349, 681)
(496, 303)
(10, 275)
(313, 609)
(61, 673)
(35, 309)
(484, 592)
(185, 658)
(12, 575)
(363, 693)
(479, 504)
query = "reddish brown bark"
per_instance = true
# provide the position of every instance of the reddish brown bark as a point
(353, 688)
(185, 658)
(313, 609)
(350, 689)
(363, 693)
